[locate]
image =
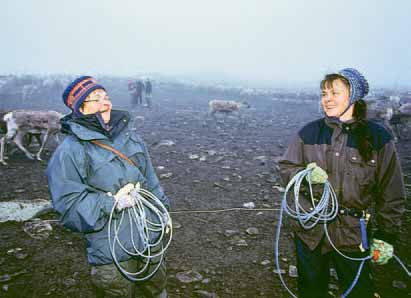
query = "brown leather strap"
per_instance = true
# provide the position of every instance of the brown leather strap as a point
(115, 151)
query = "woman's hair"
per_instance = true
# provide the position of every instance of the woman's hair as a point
(328, 80)
(359, 128)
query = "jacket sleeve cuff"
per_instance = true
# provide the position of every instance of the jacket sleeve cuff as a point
(384, 236)
(108, 203)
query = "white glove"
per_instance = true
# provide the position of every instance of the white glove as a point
(123, 198)
(125, 190)
(125, 201)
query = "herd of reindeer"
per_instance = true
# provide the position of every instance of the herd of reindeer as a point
(21, 126)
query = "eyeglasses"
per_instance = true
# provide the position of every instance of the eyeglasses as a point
(98, 97)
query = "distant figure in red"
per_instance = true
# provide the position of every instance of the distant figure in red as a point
(136, 92)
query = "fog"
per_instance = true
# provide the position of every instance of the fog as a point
(270, 42)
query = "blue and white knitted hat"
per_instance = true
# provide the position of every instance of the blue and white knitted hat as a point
(358, 84)
(77, 92)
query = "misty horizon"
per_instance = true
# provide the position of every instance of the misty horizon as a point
(262, 43)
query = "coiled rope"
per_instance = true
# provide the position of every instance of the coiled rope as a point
(152, 233)
(322, 211)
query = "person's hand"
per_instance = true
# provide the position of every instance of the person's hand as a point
(318, 175)
(125, 190)
(123, 198)
(124, 201)
(381, 252)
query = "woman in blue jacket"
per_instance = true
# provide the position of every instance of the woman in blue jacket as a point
(82, 176)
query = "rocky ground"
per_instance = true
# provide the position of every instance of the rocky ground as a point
(204, 164)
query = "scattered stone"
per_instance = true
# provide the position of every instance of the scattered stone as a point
(292, 271)
(252, 231)
(230, 233)
(218, 185)
(206, 281)
(399, 284)
(284, 259)
(282, 271)
(279, 188)
(166, 175)
(205, 294)
(165, 143)
(20, 190)
(160, 168)
(218, 159)
(211, 152)
(249, 205)
(189, 276)
(5, 288)
(69, 282)
(262, 159)
(14, 250)
(37, 229)
(265, 262)
(5, 278)
(21, 255)
(226, 178)
(176, 225)
(203, 158)
(193, 156)
(241, 242)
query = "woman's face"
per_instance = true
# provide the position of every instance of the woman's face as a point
(335, 98)
(97, 101)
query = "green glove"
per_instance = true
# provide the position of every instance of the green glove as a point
(381, 252)
(318, 175)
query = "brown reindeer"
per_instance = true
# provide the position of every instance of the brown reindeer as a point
(226, 106)
(19, 123)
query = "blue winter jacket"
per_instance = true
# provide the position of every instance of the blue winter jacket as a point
(80, 174)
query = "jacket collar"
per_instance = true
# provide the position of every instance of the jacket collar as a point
(336, 123)
(90, 127)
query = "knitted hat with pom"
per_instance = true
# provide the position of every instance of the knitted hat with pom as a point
(358, 84)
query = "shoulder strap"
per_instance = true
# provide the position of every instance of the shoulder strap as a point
(115, 151)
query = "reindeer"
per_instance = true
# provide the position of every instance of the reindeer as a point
(226, 106)
(28, 137)
(22, 122)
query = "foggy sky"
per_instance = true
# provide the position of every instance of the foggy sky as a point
(270, 41)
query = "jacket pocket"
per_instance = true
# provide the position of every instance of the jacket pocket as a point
(363, 172)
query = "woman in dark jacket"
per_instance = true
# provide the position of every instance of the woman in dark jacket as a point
(82, 177)
(361, 163)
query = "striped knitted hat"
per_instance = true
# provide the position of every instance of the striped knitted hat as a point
(77, 92)
(358, 84)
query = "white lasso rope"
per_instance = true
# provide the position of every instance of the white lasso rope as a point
(144, 227)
